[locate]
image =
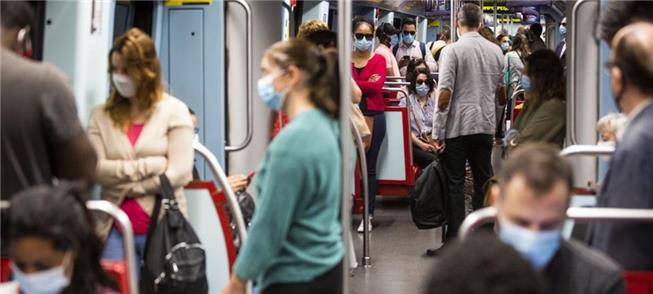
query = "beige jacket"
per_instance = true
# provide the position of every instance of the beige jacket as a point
(164, 145)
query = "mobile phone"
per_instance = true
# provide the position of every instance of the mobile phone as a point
(250, 176)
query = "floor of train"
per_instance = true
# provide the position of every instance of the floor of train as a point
(397, 250)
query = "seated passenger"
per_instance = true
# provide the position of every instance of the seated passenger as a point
(543, 117)
(628, 183)
(53, 247)
(534, 193)
(422, 107)
(611, 128)
(481, 264)
(295, 242)
(139, 133)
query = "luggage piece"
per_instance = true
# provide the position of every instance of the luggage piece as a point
(428, 199)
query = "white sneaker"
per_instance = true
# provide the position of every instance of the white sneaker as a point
(369, 225)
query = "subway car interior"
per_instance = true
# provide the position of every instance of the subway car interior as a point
(230, 69)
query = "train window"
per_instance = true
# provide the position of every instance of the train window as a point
(129, 14)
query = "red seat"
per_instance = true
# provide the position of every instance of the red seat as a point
(639, 282)
(5, 269)
(118, 270)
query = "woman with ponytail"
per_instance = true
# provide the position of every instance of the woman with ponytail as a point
(295, 239)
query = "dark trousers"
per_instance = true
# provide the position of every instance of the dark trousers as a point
(476, 149)
(328, 283)
(422, 158)
(372, 155)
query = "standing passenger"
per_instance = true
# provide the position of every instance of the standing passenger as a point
(42, 137)
(385, 33)
(409, 48)
(629, 181)
(368, 70)
(514, 63)
(295, 240)
(534, 34)
(465, 118)
(139, 133)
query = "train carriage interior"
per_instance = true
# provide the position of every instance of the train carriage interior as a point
(402, 206)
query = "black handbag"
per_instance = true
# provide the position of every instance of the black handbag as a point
(174, 260)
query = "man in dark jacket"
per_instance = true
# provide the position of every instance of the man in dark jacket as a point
(533, 197)
(629, 182)
(534, 38)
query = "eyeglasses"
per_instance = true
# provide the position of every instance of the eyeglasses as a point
(409, 33)
(196, 130)
(419, 83)
(369, 37)
(564, 24)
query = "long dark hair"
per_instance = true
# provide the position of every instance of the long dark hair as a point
(59, 214)
(520, 44)
(412, 64)
(413, 80)
(547, 77)
(320, 68)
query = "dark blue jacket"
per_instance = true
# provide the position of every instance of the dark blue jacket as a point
(629, 184)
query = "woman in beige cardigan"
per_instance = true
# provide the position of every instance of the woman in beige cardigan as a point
(139, 133)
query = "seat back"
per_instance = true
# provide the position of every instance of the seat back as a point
(5, 269)
(117, 269)
(639, 282)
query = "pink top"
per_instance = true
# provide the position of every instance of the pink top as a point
(139, 218)
(392, 68)
(372, 102)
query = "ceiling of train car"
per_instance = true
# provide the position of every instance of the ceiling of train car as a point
(411, 7)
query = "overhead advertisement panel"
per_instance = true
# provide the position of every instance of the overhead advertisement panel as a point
(411, 7)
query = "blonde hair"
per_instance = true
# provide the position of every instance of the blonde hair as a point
(143, 67)
(614, 123)
(311, 26)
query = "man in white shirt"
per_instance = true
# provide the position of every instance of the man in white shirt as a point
(409, 48)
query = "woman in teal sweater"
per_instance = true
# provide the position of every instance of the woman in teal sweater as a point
(295, 240)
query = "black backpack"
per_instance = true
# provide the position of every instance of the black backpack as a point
(174, 260)
(428, 198)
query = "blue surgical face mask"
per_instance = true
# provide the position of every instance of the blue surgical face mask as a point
(505, 46)
(536, 247)
(422, 89)
(270, 96)
(563, 30)
(362, 44)
(525, 83)
(394, 40)
(50, 281)
(408, 39)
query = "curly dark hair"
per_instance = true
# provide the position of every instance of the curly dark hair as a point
(412, 64)
(59, 214)
(545, 70)
(413, 80)
(618, 14)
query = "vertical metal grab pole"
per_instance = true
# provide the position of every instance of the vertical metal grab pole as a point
(249, 77)
(452, 25)
(344, 64)
(367, 259)
(232, 200)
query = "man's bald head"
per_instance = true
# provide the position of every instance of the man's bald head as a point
(632, 51)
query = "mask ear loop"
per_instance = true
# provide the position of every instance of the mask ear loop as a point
(25, 42)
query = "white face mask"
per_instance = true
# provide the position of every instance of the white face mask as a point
(124, 85)
(50, 281)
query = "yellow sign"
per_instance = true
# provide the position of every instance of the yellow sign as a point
(185, 2)
(501, 9)
(509, 20)
(434, 23)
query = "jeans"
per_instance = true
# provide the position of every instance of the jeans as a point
(477, 149)
(372, 155)
(422, 158)
(114, 248)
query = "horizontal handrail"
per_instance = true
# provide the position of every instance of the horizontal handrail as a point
(587, 150)
(388, 89)
(395, 78)
(396, 84)
(586, 214)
